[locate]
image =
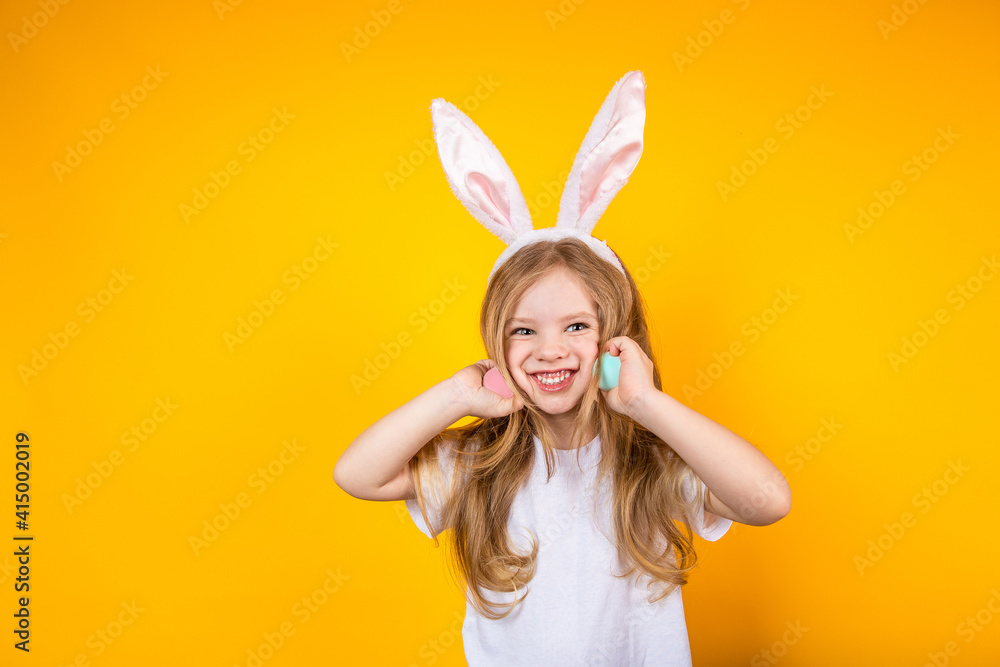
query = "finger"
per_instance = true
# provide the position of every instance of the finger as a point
(615, 346)
(624, 343)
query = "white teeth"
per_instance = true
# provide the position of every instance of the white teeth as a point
(552, 378)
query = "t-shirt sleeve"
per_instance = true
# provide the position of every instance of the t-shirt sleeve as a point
(435, 493)
(719, 525)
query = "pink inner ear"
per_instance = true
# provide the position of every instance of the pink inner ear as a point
(617, 166)
(489, 195)
(615, 157)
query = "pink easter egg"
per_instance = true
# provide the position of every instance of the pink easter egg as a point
(494, 381)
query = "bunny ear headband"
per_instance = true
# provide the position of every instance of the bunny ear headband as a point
(482, 181)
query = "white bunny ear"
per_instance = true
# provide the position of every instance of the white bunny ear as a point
(477, 173)
(607, 156)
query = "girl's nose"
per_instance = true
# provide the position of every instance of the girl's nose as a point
(551, 347)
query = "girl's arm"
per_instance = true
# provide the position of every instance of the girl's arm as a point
(743, 484)
(374, 466)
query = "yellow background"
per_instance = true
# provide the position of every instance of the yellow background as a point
(358, 115)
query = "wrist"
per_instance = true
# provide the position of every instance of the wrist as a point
(455, 400)
(638, 408)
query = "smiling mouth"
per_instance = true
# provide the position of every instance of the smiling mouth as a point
(553, 381)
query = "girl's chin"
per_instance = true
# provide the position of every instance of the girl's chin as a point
(557, 404)
(568, 411)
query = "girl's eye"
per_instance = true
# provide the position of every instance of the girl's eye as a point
(517, 331)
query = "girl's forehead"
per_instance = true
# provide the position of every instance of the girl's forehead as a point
(533, 311)
(560, 284)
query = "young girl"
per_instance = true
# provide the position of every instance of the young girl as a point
(572, 507)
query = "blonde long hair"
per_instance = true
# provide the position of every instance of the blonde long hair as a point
(494, 456)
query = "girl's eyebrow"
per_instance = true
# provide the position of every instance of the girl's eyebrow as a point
(574, 316)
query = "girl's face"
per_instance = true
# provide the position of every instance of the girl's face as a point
(552, 341)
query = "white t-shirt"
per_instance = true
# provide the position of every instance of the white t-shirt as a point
(577, 612)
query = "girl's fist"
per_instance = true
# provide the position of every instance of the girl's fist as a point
(635, 378)
(479, 401)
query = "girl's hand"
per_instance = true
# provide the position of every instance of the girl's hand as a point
(635, 378)
(477, 399)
